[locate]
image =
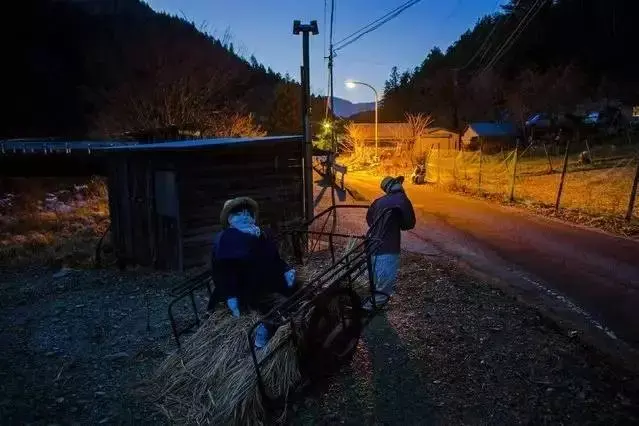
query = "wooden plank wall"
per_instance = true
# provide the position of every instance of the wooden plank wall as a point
(271, 175)
(140, 235)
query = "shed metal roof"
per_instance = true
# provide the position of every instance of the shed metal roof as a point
(493, 129)
(197, 144)
(38, 146)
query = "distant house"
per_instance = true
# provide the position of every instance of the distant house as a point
(491, 136)
(437, 137)
(390, 133)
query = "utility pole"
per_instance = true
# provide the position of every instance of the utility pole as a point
(306, 30)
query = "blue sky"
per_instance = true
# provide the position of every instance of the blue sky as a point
(264, 28)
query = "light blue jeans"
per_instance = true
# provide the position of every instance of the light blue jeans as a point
(385, 268)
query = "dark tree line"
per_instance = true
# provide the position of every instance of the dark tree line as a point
(572, 51)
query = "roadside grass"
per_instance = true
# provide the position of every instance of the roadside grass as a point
(595, 195)
(33, 234)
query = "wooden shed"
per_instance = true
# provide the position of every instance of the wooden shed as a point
(491, 136)
(165, 198)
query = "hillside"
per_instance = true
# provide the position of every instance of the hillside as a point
(103, 67)
(345, 108)
(533, 55)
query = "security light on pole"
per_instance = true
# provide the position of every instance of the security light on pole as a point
(351, 84)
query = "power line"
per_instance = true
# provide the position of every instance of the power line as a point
(365, 27)
(453, 11)
(531, 13)
(374, 25)
(486, 45)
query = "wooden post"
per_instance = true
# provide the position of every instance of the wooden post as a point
(512, 183)
(439, 163)
(633, 194)
(550, 168)
(563, 176)
(590, 157)
(481, 149)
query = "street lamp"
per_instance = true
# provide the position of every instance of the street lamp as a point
(351, 85)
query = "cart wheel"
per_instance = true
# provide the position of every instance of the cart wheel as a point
(333, 332)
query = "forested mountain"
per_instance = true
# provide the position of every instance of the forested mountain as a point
(533, 55)
(103, 67)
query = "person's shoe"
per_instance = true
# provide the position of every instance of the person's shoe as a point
(379, 304)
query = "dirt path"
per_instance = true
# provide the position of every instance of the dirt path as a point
(586, 275)
(453, 351)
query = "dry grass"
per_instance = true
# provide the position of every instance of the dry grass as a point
(595, 195)
(604, 191)
(213, 380)
(29, 234)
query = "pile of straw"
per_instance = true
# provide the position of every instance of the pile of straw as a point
(213, 381)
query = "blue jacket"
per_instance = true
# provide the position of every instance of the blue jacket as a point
(402, 219)
(247, 267)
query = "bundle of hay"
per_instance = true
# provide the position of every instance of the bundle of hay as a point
(213, 381)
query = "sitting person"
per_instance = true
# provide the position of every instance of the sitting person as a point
(419, 175)
(247, 268)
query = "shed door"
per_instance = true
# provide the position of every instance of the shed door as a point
(169, 255)
(141, 215)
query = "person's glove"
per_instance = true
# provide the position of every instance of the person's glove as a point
(290, 277)
(234, 306)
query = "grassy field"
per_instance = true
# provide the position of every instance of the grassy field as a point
(56, 223)
(601, 188)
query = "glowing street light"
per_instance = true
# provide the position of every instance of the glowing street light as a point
(351, 84)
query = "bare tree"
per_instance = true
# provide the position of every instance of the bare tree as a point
(235, 125)
(354, 141)
(171, 83)
(407, 136)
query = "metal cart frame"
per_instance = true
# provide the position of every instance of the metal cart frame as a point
(323, 349)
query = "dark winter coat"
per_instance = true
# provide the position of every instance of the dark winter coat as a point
(247, 267)
(402, 219)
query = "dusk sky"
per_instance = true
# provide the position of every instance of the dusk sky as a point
(264, 28)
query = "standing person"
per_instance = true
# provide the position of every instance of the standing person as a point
(247, 268)
(386, 258)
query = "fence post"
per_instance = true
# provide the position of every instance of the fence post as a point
(481, 149)
(550, 168)
(512, 183)
(633, 193)
(563, 176)
(590, 157)
(439, 163)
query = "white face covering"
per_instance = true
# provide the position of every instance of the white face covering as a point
(244, 221)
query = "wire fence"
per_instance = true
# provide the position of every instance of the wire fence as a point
(597, 180)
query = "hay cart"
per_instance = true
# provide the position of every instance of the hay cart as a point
(325, 314)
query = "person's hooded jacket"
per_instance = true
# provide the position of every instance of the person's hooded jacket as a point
(402, 217)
